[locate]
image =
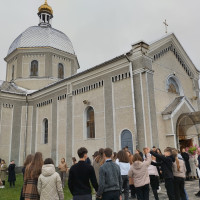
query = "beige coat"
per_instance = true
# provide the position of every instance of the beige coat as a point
(182, 171)
(3, 169)
(139, 172)
(49, 184)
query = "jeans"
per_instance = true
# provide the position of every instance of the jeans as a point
(142, 192)
(83, 197)
(179, 184)
(169, 185)
(63, 176)
(125, 186)
(111, 195)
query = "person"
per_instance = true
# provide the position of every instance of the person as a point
(32, 172)
(114, 158)
(73, 161)
(28, 160)
(88, 161)
(193, 164)
(125, 148)
(186, 158)
(49, 182)
(198, 159)
(63, 171)
(11, 173)
(80, 176)
(131, 181)
(154, 149)
(158, 151)
(99, 160)
(110, 180)
(123, 162)
(179, 171)
(3, 169)
(166, 166)
(139, 173)
(1, 184)
(153, 175)
(94, 156)
(137, 151)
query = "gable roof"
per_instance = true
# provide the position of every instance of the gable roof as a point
(175, 105)
(158, 48)
(169, 110)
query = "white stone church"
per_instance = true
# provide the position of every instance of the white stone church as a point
(148, 96)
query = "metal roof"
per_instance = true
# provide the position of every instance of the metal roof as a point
(37, 36)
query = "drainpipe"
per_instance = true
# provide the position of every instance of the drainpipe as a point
(133, 98)
(26, 130)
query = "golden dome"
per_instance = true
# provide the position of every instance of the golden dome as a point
(45, 8)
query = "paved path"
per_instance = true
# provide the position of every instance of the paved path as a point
(192, 187)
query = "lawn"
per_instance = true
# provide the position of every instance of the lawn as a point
(14, 193)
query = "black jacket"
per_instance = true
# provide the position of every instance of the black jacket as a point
(186, 158)
(166, 165)
(80, 176)
(11, 173)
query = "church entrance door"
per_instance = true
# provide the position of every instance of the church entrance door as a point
(188, 129)
(127, 140)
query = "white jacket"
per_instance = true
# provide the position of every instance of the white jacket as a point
(124, 167)
(49, 184)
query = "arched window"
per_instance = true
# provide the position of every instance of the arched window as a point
(13, 72)
(34, 68)
(127, 140)
(45, 128)
(90, 123)
(60, 71)
(172, 86)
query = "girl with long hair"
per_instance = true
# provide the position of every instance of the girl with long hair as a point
(124, 164)
(49, 182)
(32, 172)
(63, 171)
(28, 160)
(179, 171)
(98, 161)
(3, 169)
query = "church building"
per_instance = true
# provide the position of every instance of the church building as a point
(147, 96)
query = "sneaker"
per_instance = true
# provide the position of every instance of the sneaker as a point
(159, 190)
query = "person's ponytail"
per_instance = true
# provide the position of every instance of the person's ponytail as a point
(177, 163)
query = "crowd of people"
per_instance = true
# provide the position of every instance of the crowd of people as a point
(114, 176)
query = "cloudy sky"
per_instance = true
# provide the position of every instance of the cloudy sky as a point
(103, 29)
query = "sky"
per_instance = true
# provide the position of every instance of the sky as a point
(103, 29)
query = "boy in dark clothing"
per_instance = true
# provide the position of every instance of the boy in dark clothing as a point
(11, 174)
(110, 180)
(80, 176)
(166, 165)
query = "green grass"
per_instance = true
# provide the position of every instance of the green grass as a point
(14, 193)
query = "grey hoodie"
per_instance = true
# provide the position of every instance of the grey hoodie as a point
(49, 184)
